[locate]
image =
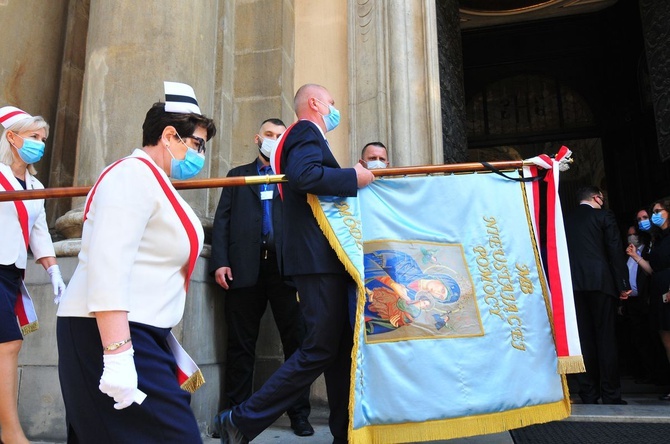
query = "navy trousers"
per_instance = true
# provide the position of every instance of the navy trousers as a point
(165, 416)
(244, 310)
(326, 348)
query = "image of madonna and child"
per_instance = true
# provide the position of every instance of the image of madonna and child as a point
(398, 291)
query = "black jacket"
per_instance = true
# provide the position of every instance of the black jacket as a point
(597, 261)
(236, 234)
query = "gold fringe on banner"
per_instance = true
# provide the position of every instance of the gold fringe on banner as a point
(194, 382)
(30, 328)
(464, 426)
(571, 364)
(328, 231)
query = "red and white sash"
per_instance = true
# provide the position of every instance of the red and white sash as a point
(24, 308)
(188, 374)
(558, 265)
(275, 157)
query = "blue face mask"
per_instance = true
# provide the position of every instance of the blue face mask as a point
(657, 219)
(31, 151)
(332, 119)
(188, 167)
(645, 225)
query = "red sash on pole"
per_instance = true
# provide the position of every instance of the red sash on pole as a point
(24, 308)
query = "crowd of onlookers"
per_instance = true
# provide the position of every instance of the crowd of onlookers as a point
(643, 324)
(622, 301)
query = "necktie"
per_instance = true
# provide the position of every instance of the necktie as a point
(267, 217)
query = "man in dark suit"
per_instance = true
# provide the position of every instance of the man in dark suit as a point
(321, 280)
(246, 236)
(599, 279)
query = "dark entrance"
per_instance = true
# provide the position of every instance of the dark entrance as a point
(579, 81)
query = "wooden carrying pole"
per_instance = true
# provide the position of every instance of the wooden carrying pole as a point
(219, 182)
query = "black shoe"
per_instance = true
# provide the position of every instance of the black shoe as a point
(229, 433)
(616, 402)
(665, 397)
(302, 427)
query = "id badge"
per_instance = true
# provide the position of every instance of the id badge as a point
(265, 195)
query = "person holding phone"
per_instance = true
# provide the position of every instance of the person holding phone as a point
(659, 259)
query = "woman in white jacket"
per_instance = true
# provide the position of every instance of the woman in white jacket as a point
(140, 242)
(23, 224)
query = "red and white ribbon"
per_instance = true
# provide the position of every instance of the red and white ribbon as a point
(189, 376)
(558, 265)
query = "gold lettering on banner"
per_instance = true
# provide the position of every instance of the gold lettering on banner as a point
(498, 282)
(525, 283)
(350, 222)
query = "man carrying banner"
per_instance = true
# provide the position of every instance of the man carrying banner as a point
(599, 277)
(304, 156)
(246, 236)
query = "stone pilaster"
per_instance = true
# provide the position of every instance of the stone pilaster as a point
(655, 15)
(395, 88)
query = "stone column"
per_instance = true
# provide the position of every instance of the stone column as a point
(132, 47)
(655, 15)
(454, 136)
(395, 81)
(31, 52)
(65, 127)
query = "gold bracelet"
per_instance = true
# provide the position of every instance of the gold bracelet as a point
(115, 345)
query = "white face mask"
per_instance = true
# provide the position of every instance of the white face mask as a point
(375, 164)
(267, 146)
(633, 239)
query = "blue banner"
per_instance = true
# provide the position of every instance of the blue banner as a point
(452, 332)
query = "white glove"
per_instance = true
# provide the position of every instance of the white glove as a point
(57, 282)
(119, 379)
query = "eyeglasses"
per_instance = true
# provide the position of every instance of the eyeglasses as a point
(201, 143)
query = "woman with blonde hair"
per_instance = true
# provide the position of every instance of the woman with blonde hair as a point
(23, 225)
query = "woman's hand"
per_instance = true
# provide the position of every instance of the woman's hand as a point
(632, 252)
(57, 282)
(119, 379)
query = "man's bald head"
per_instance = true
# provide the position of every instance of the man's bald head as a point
(306, 92)
(311, 103)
